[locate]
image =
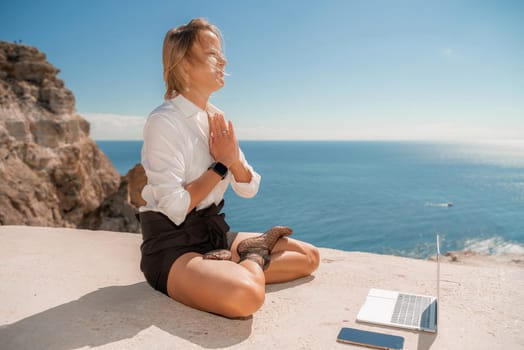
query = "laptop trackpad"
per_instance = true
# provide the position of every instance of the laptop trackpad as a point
(379, 306)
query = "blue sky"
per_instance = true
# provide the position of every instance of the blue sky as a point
(319, 70)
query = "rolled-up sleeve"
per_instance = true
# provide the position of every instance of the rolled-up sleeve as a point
(246, 189)
(164, 164)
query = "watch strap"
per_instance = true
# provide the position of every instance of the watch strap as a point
(219, 168)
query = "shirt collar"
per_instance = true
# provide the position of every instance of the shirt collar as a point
(189, 109)
(185, 106)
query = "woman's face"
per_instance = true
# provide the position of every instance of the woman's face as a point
(206, 66)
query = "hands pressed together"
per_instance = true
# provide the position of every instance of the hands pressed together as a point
(223, 144)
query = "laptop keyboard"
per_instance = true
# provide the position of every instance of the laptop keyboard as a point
(412, 310)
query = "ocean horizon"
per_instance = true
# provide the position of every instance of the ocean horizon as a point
(388, 197)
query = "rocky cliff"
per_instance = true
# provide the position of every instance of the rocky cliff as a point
(117, 212)
(51, 172)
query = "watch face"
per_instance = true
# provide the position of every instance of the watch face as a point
(220, 169)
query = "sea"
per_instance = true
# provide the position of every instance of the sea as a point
(381, 197)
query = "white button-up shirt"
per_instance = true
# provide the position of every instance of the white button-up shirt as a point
(176, 152)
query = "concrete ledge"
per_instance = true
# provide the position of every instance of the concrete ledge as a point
(70, 289)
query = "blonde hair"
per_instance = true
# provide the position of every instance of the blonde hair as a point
(177, 48)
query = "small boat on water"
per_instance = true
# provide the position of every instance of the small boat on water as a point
(444, 204)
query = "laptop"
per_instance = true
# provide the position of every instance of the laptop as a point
(403, 310)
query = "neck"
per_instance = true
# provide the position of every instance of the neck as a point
(198, 98)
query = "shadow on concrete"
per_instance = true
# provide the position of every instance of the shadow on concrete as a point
(271, 288)
(425, 340)
(115, 313)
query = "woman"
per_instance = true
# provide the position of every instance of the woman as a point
(191, 155)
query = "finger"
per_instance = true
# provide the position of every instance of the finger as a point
(231, 130)
(212, 131)
(221, 122)
(216, 127)
(223, 128)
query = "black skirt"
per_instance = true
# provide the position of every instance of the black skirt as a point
(164, 242)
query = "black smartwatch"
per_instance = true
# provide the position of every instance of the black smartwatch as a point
(219, 168)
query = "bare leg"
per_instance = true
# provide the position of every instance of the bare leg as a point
(218, 286)
(237, 289)
(290, 258)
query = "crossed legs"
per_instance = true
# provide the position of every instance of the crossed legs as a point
(235, 289)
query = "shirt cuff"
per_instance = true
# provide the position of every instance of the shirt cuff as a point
(246, 189)
(176, 208)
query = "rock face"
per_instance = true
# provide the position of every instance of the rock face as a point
(136, 179)
(51, 172)
(117, 212)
